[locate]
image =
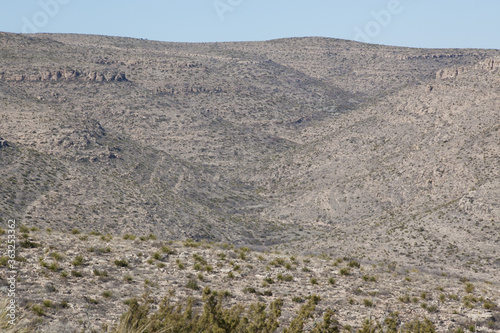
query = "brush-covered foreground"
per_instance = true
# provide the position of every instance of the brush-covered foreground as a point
(74, 281)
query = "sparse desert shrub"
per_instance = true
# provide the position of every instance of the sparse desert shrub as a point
(425, 326)
(27, 244)
(54, 267)
(277, 262)
(4, 260)
(57, 256)
(269, 280)
(314, 281)
(121, 263)
(432, 309)
(75, 231)
(38, 310)
(214, 317)
(267, 293)
(129, 237)
(100, 273)
(199, 259)
(47, 303)
(192, 284)
(180, 265)
(249, 290)
(285, 277)
(107, 294)
(167, 250)
(404, 299)
(353, 264)
(191, 243)
(107, 237)
(345, 271)
(489, 305)
(78, 261)
(367, 303)
(469, 288)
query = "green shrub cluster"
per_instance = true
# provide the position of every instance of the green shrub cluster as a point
(214, 317)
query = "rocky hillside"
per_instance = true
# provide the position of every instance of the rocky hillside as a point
(310, 145)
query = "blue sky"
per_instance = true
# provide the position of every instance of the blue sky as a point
(415, 23)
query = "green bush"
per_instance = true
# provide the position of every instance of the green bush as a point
(353, 264)
(4, 260)
(368, 303)
(78, 261)
(129, 237)
(38, 310)
(29, 244)
(182, 317)
(121, 263)
(192, 284)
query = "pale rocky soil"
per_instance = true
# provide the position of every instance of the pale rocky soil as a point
(447, 302)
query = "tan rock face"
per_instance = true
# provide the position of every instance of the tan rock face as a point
(66, 75)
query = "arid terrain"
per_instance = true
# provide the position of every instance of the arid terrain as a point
(312, 148)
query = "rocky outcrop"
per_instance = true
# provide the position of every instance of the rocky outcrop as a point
(450, 73)
(189, 89)
(488, 65)
(65, 75)
(491, 65)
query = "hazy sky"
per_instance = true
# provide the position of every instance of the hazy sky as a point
(417, 23)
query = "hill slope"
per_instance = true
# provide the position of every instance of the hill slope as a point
(322, 145)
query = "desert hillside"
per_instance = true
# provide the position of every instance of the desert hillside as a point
(311, 146)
